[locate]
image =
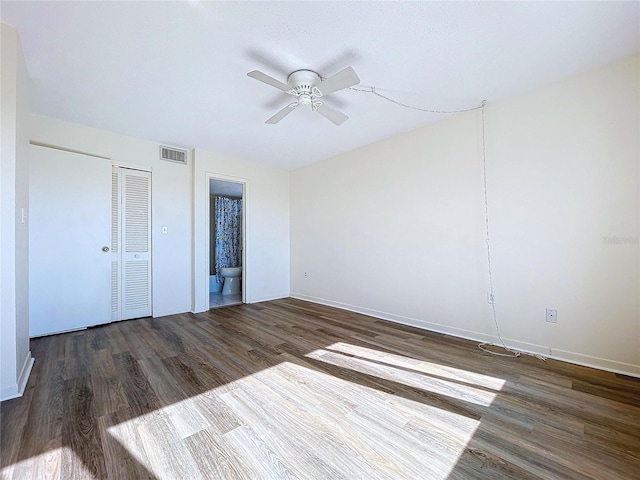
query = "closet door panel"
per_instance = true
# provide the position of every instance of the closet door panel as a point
(69, 241)
(135, 244)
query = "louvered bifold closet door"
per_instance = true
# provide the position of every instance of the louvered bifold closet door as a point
(115, 244)
(135, 244)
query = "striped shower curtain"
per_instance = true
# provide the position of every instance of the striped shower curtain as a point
(228, 233)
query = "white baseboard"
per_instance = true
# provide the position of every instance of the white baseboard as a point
(268, 298)
(58, 332)
(563, 355)
(7, 393)
(200, 309)
(26, 371)
(596, 362)
(17, 389)
(157, 312)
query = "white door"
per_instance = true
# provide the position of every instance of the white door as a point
(69, 227)
(130, 244)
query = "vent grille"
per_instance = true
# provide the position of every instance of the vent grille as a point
(173, 155)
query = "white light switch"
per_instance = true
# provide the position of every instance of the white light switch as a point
(165, 229)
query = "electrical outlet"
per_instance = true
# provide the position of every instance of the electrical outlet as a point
(491, 297)
(552, 316)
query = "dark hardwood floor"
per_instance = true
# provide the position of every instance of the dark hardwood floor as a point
(289, 389)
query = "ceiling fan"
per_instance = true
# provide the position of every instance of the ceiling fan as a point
(308, 88)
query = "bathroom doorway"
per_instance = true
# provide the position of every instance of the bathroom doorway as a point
(226, 242)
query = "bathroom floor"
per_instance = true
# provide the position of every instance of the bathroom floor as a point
(218, 300)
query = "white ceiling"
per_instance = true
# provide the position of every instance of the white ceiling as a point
(175, 72)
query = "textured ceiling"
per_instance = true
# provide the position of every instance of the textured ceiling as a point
(175, 72)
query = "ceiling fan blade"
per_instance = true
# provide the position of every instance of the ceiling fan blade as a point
(263, 77)
(332, 114)
(343, 79)
(282, 113)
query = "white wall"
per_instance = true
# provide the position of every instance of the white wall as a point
(175, 205)
(266, 209)
(396, 229)
(171, 201)
(15, 357)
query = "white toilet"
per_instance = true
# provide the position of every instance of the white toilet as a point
(232, 277)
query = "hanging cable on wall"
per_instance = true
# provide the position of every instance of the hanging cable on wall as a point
(511, 352)
(427, 110)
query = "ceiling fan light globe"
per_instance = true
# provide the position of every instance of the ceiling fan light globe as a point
(304, 99)
(307, 86)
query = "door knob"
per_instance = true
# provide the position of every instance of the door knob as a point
(105, 249)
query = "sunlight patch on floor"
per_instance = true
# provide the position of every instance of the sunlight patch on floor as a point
(127, 434)
(153, 441)
(47, 465)
(405, 375)
(429, 368)
(293, 405)
(385, 429)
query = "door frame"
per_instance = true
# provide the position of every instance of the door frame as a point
(245, 270)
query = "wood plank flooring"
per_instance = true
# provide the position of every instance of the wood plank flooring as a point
(290, 389)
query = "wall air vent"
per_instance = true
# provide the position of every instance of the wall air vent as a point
(172, 154)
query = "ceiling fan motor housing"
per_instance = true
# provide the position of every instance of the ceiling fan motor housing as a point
(307, 86)
(302, 83)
